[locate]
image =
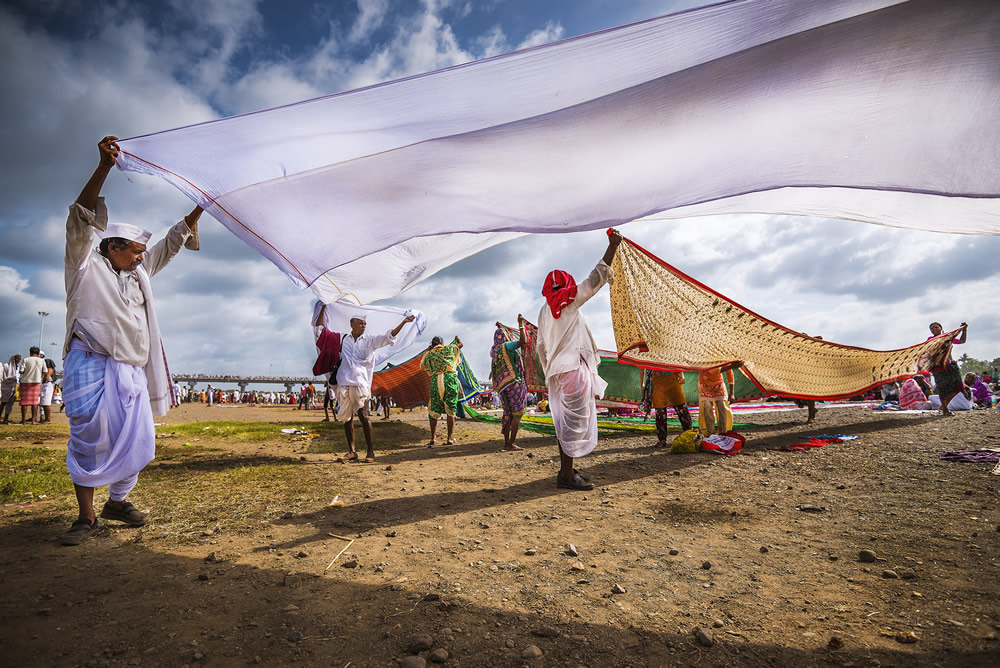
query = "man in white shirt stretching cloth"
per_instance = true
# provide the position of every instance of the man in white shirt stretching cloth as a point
(354, 379)
(115, 374)
(569, 358)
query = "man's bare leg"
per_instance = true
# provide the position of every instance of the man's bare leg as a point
(434, 427)
(565, 466)
(85, 500)
(366, 427)
(349, 434)
(811, 406)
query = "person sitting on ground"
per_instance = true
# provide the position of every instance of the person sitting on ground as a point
(507, 375)
(661, 390)
(441, 362)
(913, 395)
(980, 393)
(568, 353)
(947, 377)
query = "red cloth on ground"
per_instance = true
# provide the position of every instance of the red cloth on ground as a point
(328, 352)
(559, 290)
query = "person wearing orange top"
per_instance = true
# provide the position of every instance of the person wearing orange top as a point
(714, 414)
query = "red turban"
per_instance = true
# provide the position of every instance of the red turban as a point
(559, 290)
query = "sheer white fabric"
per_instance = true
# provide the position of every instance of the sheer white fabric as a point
(378, 319)
(574, 410)
(874, 110)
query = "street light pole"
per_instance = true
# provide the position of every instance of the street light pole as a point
(41, 327)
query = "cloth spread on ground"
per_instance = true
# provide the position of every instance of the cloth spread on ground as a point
(817, 442)
(410, 386)
(975, 456)
(757, 95)
(665, 319)
(729, 443)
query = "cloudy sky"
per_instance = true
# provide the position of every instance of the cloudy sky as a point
(74, 71)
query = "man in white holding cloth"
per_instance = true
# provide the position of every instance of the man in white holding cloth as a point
(354, 379)
(115, 374)
(568, 354)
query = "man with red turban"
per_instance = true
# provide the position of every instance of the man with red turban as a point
(568, 354)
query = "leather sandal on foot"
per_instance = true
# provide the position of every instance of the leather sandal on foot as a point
(81, 530)
(586, 478)
(577, 483)
(126, 513)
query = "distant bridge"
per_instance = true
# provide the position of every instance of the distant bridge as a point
(192, 379)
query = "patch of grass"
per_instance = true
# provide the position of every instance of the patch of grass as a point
(233, 430)
(36, 470)
(232, 495)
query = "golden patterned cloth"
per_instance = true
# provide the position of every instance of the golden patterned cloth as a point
(664, 319)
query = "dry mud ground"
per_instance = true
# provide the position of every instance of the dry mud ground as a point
(468, 546)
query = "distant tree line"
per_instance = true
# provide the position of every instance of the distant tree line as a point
(972, 365)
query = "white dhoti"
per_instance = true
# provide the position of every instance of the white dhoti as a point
(111, 433)
(572, 400)
(45, 399)
(351, 399)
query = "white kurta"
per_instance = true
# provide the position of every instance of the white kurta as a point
(102, 305)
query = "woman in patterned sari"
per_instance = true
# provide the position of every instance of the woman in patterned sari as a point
(507, 373)
(440, 362)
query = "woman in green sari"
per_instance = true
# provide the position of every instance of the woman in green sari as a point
(440, 363)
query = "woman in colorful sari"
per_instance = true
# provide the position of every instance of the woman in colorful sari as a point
(507, 373)
(440, 362)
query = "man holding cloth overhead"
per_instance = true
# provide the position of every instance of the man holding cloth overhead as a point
(569, 358)
(115, 374)
(354, 378)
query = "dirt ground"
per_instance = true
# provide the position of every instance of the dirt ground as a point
(464, 550)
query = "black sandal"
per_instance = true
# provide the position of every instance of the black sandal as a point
(80, 531)
(582, 475)
(126, 513)
(577, 483)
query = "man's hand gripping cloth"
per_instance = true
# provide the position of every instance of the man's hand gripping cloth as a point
(664, 319)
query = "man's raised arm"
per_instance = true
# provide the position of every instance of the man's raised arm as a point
(108, 149)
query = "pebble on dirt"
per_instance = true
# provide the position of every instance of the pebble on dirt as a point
(707, 565)
(618, 589)
(531, 652)
(413, 662)
(703, 637)
(419, 642)
(866, 557)
(440, 655)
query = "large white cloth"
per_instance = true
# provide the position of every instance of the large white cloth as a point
(111, 432)
(102, 305)
(574, 411)
(337, 318)
(959, 402)
(877, 110)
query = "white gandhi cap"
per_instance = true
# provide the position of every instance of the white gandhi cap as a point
(125, 231)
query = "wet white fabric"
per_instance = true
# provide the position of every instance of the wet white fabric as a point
(337, 318)
(875, 110)
(111, 432)
(574, 410)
